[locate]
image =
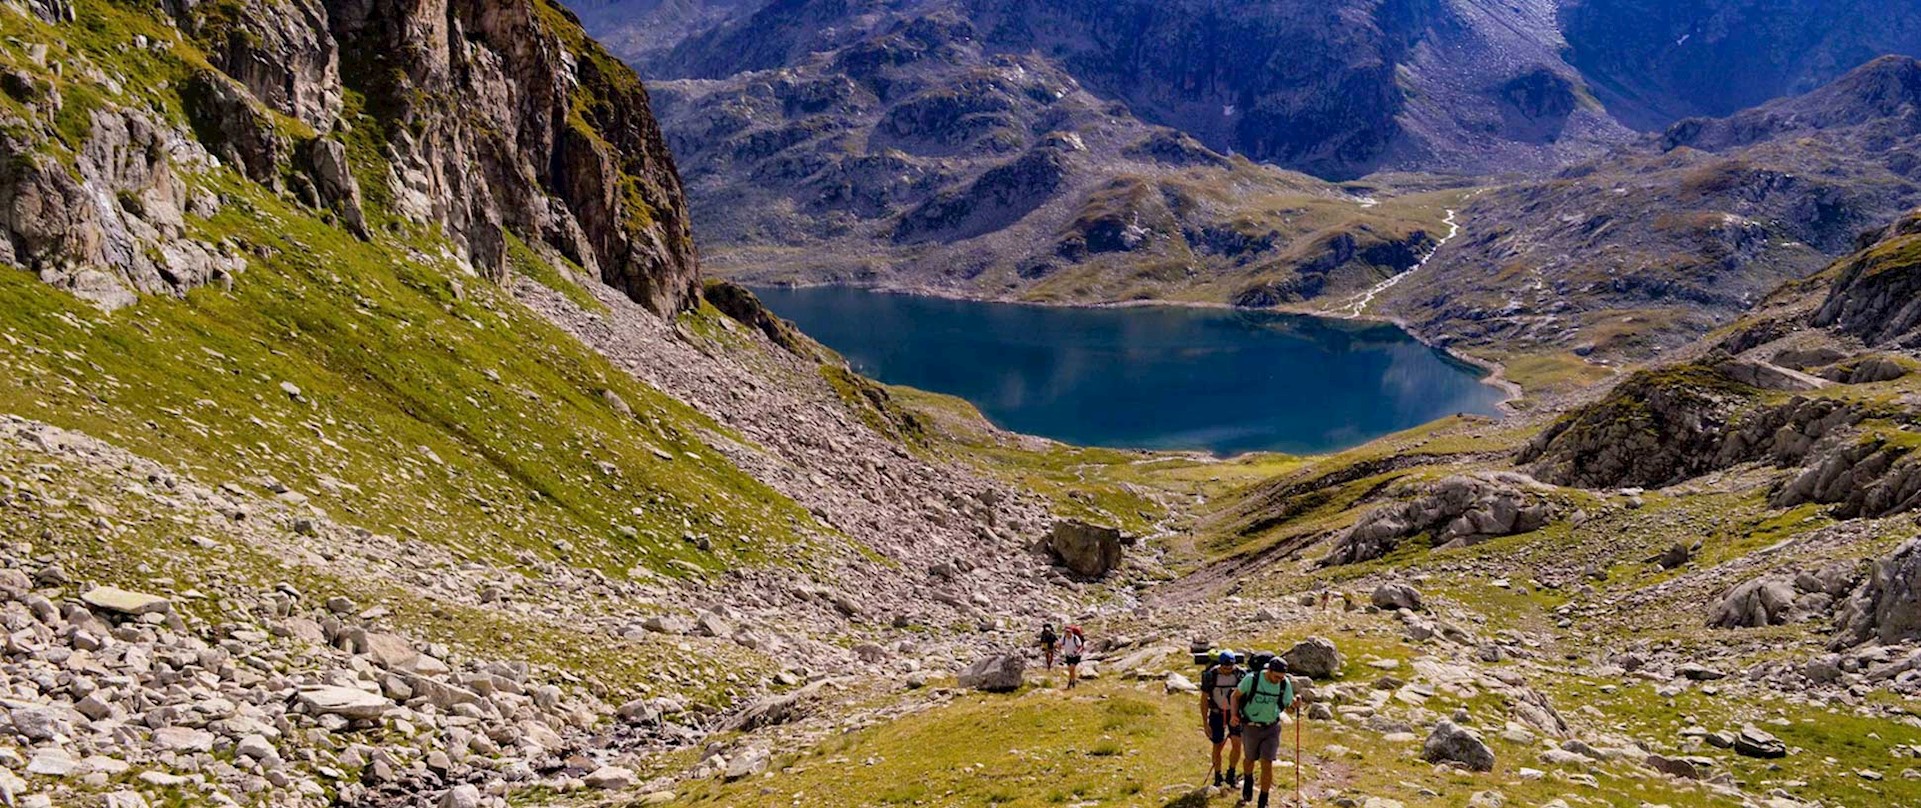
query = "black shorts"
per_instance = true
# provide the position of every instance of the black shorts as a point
(1216, 727)
(1072, 659)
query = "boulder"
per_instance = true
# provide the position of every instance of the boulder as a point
(1457, 745)
(997, 673)
(182, 739)
(1176, 683)
(611, 778)
(1315, 657)
(1753, 742)
(668, 624)
(747, 764)
(122, 601)
(346, 702)
(1674, 767)
(1392, 596)
(1090, 551)
(460, 796)
(1761, 602)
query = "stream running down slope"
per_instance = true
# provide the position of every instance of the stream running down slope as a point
(1361, 301)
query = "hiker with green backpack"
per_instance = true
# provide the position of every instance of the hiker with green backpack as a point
(1217, 714)
(1260, 699)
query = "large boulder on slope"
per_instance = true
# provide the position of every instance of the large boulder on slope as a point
(1395, 596)
(1314, 657)
(1457, 745)
(996, 673)
(1090, 551)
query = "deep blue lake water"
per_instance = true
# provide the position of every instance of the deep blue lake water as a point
(1150, 377)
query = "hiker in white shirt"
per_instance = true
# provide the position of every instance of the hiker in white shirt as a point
(1072, 646)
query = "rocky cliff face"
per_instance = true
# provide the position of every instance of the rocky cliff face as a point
(488, 122)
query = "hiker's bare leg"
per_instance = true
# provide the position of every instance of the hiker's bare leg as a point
(1217, 759)
(1267, 776)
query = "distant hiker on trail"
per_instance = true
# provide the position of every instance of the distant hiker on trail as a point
(1047, 642)
(1071, 647)
(1217, 714)
(1259, 701)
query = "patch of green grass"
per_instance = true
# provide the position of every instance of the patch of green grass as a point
(1108, 742)
(430, 403)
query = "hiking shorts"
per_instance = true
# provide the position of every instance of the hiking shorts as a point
(1216, 727)
(1261, 741)
(1073, 659)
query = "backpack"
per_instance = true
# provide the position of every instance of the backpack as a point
(1259, 691)
(1216, 692)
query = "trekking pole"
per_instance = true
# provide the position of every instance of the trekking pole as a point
(1297, 755)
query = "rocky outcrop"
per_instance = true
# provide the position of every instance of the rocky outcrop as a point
(487, 119)
(1887, 606)
(1456, 511)
(1876, 294)
(744, 307)
(1781, 598)
(1663, 426)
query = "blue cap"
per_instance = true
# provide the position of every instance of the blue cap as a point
(1226, 657)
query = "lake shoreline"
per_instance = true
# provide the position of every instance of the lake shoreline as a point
(1496, 373)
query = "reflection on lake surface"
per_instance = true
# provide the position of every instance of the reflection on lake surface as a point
(1150, 377)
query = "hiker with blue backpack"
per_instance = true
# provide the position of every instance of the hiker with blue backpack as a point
(1217, 714)
(1260, 699)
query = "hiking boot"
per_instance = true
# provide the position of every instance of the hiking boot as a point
(1263, 802)
(1233, 780)
(1247, 788)
(1217, 779)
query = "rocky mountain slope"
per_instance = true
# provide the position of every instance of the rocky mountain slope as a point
(828, 141)
(1644, 250)
(919, 158)
(1653, 62)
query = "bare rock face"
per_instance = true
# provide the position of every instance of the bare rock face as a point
(1887, 606)
(1091, 551)
(1458, 511)
(493, 119)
